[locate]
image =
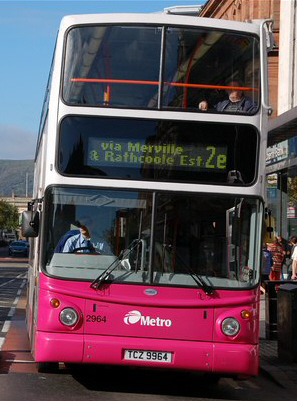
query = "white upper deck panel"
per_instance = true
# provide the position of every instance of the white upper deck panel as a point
(158, 18)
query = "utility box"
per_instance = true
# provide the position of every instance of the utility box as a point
(287, 322)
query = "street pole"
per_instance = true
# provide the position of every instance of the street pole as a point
(26, 185)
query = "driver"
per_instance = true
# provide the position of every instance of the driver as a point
(81, 240)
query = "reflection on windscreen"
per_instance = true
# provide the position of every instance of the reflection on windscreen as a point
(215, 238)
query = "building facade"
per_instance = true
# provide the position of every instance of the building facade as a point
(282, 151)
(21, 202)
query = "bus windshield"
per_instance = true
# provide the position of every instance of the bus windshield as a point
(152, 238)
(160, 67)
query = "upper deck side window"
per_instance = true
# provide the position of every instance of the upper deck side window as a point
(154, 67)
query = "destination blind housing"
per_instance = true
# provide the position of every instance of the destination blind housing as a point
(150, 149)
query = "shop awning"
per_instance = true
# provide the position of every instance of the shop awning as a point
(282, 127)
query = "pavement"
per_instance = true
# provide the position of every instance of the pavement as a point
(281, 372)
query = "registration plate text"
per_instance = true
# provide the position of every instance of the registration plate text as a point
(147, 356)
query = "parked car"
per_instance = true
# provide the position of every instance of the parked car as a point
(8, 236)
(18, 248)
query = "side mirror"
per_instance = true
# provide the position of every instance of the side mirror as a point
(30, 223)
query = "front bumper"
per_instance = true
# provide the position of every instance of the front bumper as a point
(238, 359)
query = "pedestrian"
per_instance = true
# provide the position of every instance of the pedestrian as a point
(267, 263)
(286, 252)
(287, 265)
(277, 252)
(293, 269)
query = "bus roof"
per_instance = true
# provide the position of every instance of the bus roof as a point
(158, 18)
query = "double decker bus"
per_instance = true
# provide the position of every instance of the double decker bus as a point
(147, 211)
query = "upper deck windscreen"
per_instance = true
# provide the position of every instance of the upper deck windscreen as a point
(154, 67)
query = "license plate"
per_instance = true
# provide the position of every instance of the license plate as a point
(147, 356)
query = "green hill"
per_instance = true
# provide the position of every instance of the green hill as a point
(16, 177)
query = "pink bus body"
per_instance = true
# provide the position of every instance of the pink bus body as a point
(147, 211)
(186, 323)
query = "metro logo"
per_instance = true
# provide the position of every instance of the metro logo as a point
(135, 316)
(132, 317)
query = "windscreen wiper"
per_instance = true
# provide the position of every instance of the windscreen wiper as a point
(105, 274)
(196, 277)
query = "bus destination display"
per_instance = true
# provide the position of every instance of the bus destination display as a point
(137, 153)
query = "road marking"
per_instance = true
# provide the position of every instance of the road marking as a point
(16, 300)
(6, 326)
(7, 282)
(24, 281)
(21, 275)
(11, 312)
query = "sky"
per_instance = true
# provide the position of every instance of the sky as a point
(28, 32)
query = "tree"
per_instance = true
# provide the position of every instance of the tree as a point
(9, 216)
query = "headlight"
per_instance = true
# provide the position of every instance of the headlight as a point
(68, 317)
(230, 326)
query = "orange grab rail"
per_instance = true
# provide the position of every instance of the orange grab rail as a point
(156, 83)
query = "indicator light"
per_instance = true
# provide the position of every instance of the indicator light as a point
(245, 314)
(55, 303)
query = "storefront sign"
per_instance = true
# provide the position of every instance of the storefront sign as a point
(291, 212)
(277, 152)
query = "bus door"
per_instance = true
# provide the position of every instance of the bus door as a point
(233, 241)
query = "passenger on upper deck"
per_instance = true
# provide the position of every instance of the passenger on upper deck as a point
(236, 102)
